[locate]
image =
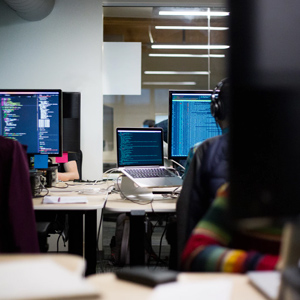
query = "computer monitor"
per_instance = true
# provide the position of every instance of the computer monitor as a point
(190, 121)
(34, 118)
(264, 124)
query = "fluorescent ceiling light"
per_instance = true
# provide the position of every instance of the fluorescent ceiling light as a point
(191, 28)
(194, 13)
(170, 83)
(186, 55)
(205, 47)
(176, 72)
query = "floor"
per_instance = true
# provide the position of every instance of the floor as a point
(158, 259)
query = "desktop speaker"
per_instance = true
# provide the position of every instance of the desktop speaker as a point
(71, 121)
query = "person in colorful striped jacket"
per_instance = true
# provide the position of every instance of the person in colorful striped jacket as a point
(217, 246)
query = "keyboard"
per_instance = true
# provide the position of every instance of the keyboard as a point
(149, 172)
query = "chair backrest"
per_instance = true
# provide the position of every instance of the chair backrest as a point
(79, 163)
(17, 220)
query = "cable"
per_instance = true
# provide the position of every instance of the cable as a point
(111, 170)
(66, 185)
(137, 201)
(106, 172)
(101, 219)
(160, 244)
(175, 162)
(57, 243)
(41, 187)
(173, 171)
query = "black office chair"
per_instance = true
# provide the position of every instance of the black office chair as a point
(55, 223)
(17, 222)
(79, 163)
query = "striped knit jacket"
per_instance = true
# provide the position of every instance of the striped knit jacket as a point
(215, 246)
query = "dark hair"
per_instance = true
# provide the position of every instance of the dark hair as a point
(220, 100)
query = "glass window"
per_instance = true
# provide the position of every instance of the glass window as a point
(198, 69)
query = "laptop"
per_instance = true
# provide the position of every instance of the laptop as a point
(140, 150)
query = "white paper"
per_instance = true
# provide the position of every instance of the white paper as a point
(202, 290)
(268, 282)
(41, 279)
(64, 199)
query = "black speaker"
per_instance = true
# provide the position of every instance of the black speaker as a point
(71, 121)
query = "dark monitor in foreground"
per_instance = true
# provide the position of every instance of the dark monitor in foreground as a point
(190, 121)
(34, 118)
(264, 125)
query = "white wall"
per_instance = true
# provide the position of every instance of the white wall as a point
(61, 51)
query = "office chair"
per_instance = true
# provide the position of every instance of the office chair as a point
(55, 223)
(17, 222)
(79, 163)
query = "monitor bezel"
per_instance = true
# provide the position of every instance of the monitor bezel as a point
(170, 156)
(60, 93)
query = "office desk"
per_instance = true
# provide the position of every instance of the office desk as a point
(73, 263)
(116, 204)
(81, 242)
(111, 288)
(44, 276)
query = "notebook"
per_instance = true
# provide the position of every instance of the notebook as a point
(141, 149)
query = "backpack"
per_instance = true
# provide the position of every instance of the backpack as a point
(120, 248)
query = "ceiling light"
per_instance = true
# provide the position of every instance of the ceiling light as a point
(191, 28)
(194, 13)
(212, 47)
(176, 72)
(186, 55)
(170, 83)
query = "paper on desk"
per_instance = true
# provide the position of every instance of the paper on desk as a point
(64, 199)
(203, 290)
(41, 279)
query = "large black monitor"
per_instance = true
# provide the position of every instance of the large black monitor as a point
(34, 118)
(190, 121)
(264, 125)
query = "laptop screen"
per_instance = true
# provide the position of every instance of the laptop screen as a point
(140, 147)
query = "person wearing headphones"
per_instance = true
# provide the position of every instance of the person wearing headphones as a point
(214, 244)
(219, 110)
(207, 171)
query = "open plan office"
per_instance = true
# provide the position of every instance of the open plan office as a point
(79, 79)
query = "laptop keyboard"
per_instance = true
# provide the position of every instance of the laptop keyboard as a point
(149, 172)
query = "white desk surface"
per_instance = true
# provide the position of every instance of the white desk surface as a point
(111, 288)
(71, 262)
(44, 276)
(95, 201)
(114, 201)
(116, 204)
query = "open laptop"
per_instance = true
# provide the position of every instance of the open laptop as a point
(141, 149)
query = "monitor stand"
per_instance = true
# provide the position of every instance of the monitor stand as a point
(289, 262)
(131, 191)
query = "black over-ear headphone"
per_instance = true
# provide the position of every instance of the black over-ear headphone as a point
(217, 106)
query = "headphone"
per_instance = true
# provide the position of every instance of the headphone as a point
(217, 105)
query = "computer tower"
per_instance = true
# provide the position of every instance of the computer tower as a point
(71, 121)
